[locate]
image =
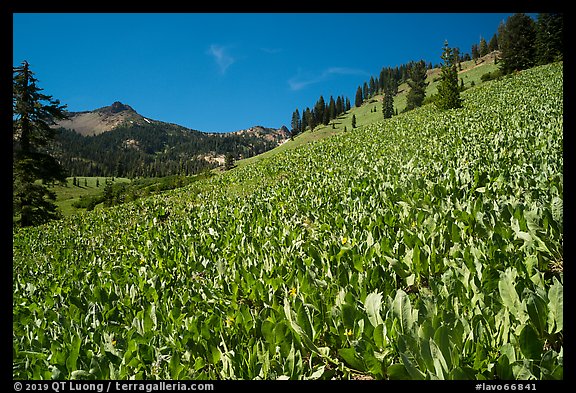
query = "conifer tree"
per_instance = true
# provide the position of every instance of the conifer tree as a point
(228, 161)
(339, 106)
(517, 43)
(483, 48)
(388, 103)
(417, 83)
(493, 44)
(549, 38)
(448, 89)
(359, 97)
(331, 109)
(295, 124)
(319, 110)
(33, 113)
(353, 121)
(475, 52)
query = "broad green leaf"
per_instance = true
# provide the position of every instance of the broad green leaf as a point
(73, 354)
(557, 208)
(530, 344)
(348, 315)
(402, 309)
(398, 372)
(504, 368)
(150, 321)
(442, 339)
(380, 336)
(412, 368)
(373, 305)
(304, 319)
(440, 366)
(509, 296)
(352, 358)
(555, 307)
(175, 366)
(267, 330)
(536, 307)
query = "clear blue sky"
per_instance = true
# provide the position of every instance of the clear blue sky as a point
(226, 72)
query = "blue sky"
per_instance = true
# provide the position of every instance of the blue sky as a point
(226, 72)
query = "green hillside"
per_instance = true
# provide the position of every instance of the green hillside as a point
(371, 110)
(426, 246)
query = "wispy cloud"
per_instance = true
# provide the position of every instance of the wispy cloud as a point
(221, 56)
(302, 80)
(271, 51)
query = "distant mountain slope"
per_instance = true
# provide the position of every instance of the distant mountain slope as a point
(117, 141)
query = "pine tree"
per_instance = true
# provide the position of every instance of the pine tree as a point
(388, 103)
(33, 114)
(448, 90)
(493, 44)
(483, 48)
(353, 121)
(307, 120)
(295, 124)
(417, 83)
(319, 110)
(359, 97)
(475, 52)
(331, 109)
(339, 106)
(372, 86)
(228, 161)
(517, 43)
(549, 41)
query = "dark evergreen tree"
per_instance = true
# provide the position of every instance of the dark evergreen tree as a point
(228, 161)
(308, 119)
(331, 109)
(483, 47)
(353, 121)
(475, 52)
(347, 104)
(108, 197)
(339, 106)
(33, 113)
(448, 90)
(493, 44)
(295, 123)
(417, 83)
(359, 97)
(319, 110)
(388, 103)
(549, 38)
(517, 43)
(372, 86)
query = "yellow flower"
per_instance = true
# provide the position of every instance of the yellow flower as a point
(344, 240)
(348, 332)
(113, 342)
(292, 292)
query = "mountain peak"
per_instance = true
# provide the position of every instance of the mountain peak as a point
(116, 107)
